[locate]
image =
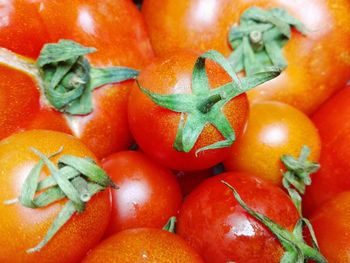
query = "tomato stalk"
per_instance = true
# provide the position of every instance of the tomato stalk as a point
(259, 39)
(205, 105)
(65, 76)
(75, 178)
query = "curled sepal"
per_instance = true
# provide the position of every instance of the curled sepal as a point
(69, 78)
(170, 225)
(259, 39)
(204, 106)
(297, 175)
(296, 250)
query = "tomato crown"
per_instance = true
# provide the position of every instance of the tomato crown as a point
(258, 40)
(75, 178)
(204, 105)
(68, 78)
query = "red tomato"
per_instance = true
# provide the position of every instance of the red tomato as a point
(155, 128)
(120, 39)
(331, 223)
(273, 129)
(318, 63)
(22, 228)
(332, 121)
(213, 222)
(148, 193)
(143, 245)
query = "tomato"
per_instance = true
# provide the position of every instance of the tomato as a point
(22, 228)
(143, 245)
(120, 39)
(273, 129)
(213, 222)
(318, 63)
(332, 121)
(148, 193)
(331, 223)
(155, 127)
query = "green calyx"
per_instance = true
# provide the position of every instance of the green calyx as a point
(297, 175)
(73, 178)
(259, 39)
(170, 225)
(69, 79)
(204, 105)
(296, 249)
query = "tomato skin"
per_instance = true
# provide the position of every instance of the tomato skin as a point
(143, 245)
(154, 127)
(190, 180)
(213, 222)
(332, 121)
(105, 130)
(148, 193)
(22, 228)
(273, 129)
(331, 223)
(318, 63)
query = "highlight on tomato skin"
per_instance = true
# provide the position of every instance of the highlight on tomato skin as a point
(105, 130)
(220, 230)
(148, 193)
(318, 61)
(273, 129)
(22, 227)
(143, 245)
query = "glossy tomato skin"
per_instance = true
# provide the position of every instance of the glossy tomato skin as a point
(143, 245)
(318, 64)
(23, 228)
(120, 39)
(213, 223)
(331, 223)
(148, 193)
(273, 129)
(332, 121)
(154, 127)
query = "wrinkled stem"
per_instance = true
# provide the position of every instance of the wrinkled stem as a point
(208, 103)
(256, 39)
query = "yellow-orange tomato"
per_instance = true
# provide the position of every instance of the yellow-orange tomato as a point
(22, 228)
(273, 129)
(143, 245)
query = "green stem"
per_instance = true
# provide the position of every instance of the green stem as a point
(208, 103)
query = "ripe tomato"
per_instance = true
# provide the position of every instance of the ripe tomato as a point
(148, 193)
(213, 222)
(120, 39)
(143, 245)
(189, 180)
(155, 128)
(318, 63)
(331, 223)
(332, 121)
(22, 228)
(274, 129)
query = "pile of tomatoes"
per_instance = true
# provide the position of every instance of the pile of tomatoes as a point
(174, 131)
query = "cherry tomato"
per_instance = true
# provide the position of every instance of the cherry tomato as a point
(148, 193)
(331, 223)
(318, 63)
(155, 128)
(213, 222)
(332, 121)
(22, 228)
(143, 245)
(120, 39)
(190, 180)
(273, 129)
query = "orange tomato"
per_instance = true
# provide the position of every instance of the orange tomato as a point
(22, 228)
(273, 129)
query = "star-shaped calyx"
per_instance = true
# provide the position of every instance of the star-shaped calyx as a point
(205, 105)
(259, 39)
